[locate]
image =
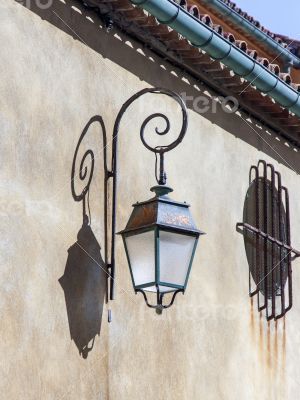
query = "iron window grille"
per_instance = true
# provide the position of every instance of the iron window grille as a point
(267, 238)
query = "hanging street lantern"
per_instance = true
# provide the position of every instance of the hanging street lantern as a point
(160, 237)
(160, 241)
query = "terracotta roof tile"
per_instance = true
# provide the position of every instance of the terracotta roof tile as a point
(208, 20)
(255, 22)
(176, 42)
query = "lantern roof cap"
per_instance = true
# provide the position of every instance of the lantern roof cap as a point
(162, 211)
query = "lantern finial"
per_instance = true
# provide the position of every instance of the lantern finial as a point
(161, 190)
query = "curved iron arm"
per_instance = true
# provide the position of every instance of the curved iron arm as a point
(160, 306)
(157, 150)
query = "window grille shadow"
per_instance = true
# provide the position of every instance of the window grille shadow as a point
(84, 281)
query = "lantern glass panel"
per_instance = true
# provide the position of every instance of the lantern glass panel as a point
(141, 254)
(175, 255)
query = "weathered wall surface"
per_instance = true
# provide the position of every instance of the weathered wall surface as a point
(209, 345)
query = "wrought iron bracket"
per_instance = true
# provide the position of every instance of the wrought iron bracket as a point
(86, 174)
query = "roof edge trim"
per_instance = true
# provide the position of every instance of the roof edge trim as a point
(217, 47)
(249, 28)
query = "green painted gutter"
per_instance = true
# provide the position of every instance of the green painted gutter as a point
(202, 36)
(282, 53)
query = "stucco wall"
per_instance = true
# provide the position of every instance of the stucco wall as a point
(209, 345)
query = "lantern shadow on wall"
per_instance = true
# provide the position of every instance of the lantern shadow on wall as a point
(84, 281)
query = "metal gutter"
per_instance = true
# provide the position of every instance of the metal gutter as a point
(262, 37)
(202, 36)
(216, 90)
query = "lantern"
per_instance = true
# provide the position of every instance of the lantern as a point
(160, 241)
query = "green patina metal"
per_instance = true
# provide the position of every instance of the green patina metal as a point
(249, 28)
(204, 37)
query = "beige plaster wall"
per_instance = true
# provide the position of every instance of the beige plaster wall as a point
(210, 345)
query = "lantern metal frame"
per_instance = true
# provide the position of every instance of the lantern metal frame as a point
(111, 177)
(161, 214)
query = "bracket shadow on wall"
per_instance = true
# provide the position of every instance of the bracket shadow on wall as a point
(267, 238)
(85, 277)
(160, 237)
